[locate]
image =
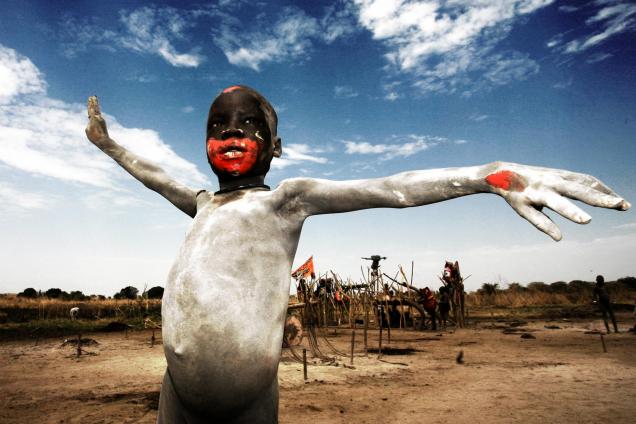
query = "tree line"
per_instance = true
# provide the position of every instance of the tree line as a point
(574, 286)
(128, 292)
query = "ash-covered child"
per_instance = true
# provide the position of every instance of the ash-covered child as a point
(226, 295)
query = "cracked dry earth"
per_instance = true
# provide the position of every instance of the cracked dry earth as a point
(562, 375)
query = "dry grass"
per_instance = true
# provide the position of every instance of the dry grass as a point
(20, 309)
(519, 297)
(522, 299)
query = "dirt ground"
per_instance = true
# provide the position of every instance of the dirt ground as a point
(560, 376)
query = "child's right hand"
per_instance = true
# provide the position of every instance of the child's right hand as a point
(96, 130)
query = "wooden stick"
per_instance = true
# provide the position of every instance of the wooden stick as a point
(603, 342)
(152, 339)
(407, 285)
(380, 339)
(402, 322)
(79, 344)
(412, 269)
(324, 312)
(353, 343)
(366, 323)
(305, 364)
(388, 319)
(352, 305)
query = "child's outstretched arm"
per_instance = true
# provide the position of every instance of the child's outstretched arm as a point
(526, 188)
(148, 173)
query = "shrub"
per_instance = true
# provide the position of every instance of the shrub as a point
(155, 293)
(489, 289)
(516, 287)
(53, 293)
(30, 293)
(538, 286)
(559, 287)
(77, 295)
(128, 292)
(580, 286)
(630, 282)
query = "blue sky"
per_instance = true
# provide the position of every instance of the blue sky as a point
(363, 89)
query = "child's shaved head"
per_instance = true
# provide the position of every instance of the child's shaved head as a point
(265, 105)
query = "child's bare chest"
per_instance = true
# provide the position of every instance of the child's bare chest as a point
(248, 227)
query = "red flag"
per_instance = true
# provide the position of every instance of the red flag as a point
(305, 269)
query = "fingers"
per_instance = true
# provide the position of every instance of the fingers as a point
(539, 220)
(93, 107)
(592, 196)
(588, 181)
(565, 208)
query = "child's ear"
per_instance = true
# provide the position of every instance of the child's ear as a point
(278, 149)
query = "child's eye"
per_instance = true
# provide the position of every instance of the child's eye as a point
(251, 121)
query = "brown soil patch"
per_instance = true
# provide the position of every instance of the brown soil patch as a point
(561, 376)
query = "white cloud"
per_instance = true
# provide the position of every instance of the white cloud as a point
(401, 146)
(344, 92)
(289, 38)
(187, 109)
(503, 70)
(478, 117)
(44, 136)
(337, 22)
(598, 57)
(112, 201)
(148, 30)
(614, 17)
(568, 8)
(153, 30)
(78, 36)
(142, 78)
(442, 45)
(392, 96)
(162, 30)
(18, 75)
(610, 18)
(294, 154)
(562, 84)
(628, 226)
(391, 90)
(14, 198)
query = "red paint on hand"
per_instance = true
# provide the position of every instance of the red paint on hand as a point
(506, 180)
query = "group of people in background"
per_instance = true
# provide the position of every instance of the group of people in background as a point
(436, 306)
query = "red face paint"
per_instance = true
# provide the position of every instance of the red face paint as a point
(234, 155)
(506, 180)
(232, 88)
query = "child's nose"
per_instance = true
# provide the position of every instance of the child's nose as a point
(232, 132)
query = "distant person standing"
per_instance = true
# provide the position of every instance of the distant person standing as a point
(601, 297)
(430, 304)
(444, 305)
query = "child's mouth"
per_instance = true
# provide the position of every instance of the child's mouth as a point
(233, 153)
(234, 149)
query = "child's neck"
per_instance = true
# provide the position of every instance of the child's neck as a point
(241, 184)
